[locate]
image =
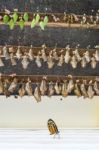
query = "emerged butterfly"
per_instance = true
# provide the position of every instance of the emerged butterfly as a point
(52, 127)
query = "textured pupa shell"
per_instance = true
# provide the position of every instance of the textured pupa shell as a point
(37, 94)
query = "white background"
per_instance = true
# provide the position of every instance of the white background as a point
(71, 112)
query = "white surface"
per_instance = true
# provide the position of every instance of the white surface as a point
(41, 140)
(70, 112)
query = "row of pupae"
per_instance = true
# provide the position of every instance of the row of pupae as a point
(51, 58)
(78, 87)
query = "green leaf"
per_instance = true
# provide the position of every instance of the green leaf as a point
(15, 17)
(26, 16)
(33, 23)
(45, 20)
(37, 18)
(42, 25)
(6, 19)
(11, 24)
(21, 23)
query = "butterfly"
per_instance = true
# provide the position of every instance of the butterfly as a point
(52, 127)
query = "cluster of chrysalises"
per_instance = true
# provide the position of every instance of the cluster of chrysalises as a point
(64, 87)
(82, 19)
(35, 19)
(51, 57)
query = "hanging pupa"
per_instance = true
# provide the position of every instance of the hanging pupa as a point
(28, 88)
(43, 53)
(30, 54)
(96, 55)
(70, 85)
(25, 62)
(21, 90)
(57, 88)
(83, 90)
(6, 86)
(87, 56)
(13, 61)
(6, 53)
(77, 90)
(37, 94)
(1, 86)
(43, 86)
(77, 54)
(93, 63)
(18, 53)
(13, 85)
(83, 62)
(51, 89)
(84, 19)
(67, 56)
(55, 55)
(50, 61)
(90, 91)
(64, 91)
(61, 60)
(96, 87)
(1, 62)
(38, 60)
(73, 62)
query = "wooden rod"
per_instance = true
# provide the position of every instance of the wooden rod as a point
(25, 49)
(53, 78)
(60, 22)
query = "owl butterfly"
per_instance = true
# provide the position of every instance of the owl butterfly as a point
(52, 127)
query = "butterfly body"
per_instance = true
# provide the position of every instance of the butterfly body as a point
(52, 127)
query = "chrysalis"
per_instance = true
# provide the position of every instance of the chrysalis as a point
(6, 53)
(87, 56)
(37, 94)
(67, 54)
(51, 89)
(93, 63)
(43, 53)
(28, 88)
(13, 61)
(58, 88)
(83, 90)
(13, 85)
(25, 62)
(74, 62)
(83, 62)
(30, 54)
(64, 89)
(61, 60)
(90, 91)
(21, 90)
(96, 55)
(43, 86)
(38, 61)
(50, 61)
(1, 62)
(77, 90)
(18, 53)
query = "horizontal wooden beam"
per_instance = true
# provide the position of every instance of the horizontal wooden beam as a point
(60, 20)
(25, 49)
(53, 78)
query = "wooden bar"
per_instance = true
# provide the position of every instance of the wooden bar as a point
(53, 78)
(61, 22)
(25, 49)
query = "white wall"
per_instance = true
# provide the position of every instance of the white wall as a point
(70, 112)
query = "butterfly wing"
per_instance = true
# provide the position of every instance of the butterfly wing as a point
(52, 127)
